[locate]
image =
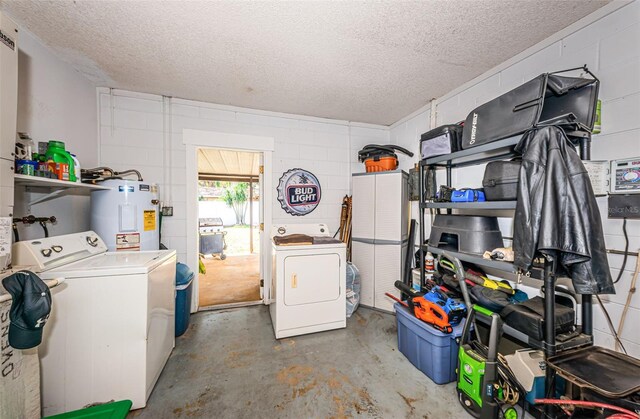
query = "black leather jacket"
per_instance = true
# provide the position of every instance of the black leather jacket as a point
(557, 214)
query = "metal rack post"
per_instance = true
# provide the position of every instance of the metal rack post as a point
(587, 302)
(549, 325)
(421, 217)
(449, 181)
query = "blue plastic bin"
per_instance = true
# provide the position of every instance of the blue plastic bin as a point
(431, 351)
(184, 280)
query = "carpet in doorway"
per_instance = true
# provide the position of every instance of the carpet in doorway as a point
(233, 280)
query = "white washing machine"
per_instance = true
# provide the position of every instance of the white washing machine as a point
(112, 324)
(308, 283)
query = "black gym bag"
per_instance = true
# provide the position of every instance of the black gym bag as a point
(528, 318)
(441, 140)
(549, 99)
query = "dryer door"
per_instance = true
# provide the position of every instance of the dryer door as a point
(311, 279)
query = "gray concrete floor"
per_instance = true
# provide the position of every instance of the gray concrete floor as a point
(229, 365)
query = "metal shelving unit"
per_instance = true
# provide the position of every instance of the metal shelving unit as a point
(506, 267)
(501, 150)
(496, 150)
(488, 205)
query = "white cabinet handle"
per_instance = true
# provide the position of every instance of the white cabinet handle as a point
(294, 281)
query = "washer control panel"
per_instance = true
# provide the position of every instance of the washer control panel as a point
(42, 254)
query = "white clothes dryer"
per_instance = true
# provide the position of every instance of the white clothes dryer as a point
(308, 283)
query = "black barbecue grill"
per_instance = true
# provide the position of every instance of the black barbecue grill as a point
(212, 237)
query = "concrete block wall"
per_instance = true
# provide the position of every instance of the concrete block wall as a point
(609, 46)
(55, 101)
(132, 127)
(406, 133)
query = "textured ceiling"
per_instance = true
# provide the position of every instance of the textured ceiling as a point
(360, 61)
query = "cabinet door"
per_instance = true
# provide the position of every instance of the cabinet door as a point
(311, 279)
(8, 89)
(390, 207)
(6, 187)
(389, 263)
(363, 259)
(363, 210)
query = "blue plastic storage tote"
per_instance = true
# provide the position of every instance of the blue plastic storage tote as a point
(184, 279)
(431, 351)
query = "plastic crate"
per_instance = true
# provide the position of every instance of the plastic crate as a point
(112, 410)
(431, 351)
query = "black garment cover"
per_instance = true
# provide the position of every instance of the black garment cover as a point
(557, 214)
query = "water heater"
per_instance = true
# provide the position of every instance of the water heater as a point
(126, 215)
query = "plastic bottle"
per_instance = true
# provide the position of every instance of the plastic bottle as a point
(24, 147)
(429, 262)
(76, 167)
(57, 153)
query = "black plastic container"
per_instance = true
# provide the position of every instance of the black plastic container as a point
(440, 141)
(466, 233)
(500, 181)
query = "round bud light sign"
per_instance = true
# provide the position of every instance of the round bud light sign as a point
(299, 192)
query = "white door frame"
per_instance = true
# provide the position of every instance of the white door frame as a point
(195, 139)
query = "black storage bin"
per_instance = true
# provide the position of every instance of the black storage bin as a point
(440, 141)
(500, 181)
(528, 318)
(549, 99)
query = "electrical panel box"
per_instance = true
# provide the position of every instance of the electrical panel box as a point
(625, 176)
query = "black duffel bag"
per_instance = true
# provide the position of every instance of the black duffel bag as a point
(549, 99)
(439, 141)
(500, 181)
(528, 318)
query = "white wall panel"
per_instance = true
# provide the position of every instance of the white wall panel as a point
(55, 101)
(135, 140)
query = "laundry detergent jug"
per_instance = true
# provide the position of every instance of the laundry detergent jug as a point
(57, 153)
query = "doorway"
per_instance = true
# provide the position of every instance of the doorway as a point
(229, 212)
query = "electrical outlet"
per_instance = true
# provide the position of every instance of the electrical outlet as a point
(167, 211)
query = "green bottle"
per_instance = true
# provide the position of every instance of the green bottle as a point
(57, 153)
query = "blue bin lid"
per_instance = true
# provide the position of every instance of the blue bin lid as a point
(184, 274)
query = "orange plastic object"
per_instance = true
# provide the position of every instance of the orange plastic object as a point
(381, 164)
(431, 313)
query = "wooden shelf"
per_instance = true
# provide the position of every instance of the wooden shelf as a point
(55, 187)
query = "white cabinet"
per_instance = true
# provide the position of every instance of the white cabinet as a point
(6, 187)
(363, 256)
(8, 110)
(380, 232)
(388, 268)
